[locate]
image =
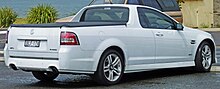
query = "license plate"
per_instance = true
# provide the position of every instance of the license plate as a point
(32, 43)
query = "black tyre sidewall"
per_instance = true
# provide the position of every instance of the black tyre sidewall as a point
(198, 60)
(99, 74)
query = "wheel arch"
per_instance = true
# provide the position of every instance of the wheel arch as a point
(100, 76)
(118, 49)
(213, 47)
(106, 45)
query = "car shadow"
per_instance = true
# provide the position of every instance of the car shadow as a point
(160, 73)
(67, 81)
(83, 81)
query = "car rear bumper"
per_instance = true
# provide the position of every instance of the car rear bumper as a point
(69, 60)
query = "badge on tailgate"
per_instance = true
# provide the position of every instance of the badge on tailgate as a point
(32, 43)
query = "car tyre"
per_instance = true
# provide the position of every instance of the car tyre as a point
(45, 76)
(203, 61)
(110, 69)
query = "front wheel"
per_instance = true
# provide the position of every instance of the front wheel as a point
(204, 58)
(110, 68)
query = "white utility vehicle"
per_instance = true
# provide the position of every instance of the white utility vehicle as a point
(106, 41)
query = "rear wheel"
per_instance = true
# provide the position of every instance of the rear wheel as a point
(204, 57)
(110, 68)
(45, 76)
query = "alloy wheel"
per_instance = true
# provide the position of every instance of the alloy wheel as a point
(112, 67)
(206, 56)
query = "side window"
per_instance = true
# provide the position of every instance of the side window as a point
(153, 19)
(135, 2)
(152, 3)
(143, 18)
(169, 5)
(100, 2)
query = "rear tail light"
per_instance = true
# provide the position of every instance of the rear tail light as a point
(6, 37)
(68, 38)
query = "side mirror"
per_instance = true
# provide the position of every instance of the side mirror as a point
(179, 26)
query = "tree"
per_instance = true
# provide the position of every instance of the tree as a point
(180, 1)
(42, 14)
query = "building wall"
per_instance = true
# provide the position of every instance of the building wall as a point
(216, 13)
(198, 13)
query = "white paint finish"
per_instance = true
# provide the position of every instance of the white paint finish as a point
(3, 32)
(6, 55)
(171, 46)
(41, 54)
(199, 36)
(138, 68)
(142, 49)
(33, 63)
(49, 39)
(144, 52)
(73, 58)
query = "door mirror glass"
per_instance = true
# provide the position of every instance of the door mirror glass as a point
(179, 26)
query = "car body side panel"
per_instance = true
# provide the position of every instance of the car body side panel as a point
(105, 45)
(171, 47)
(142, 48)
(199, 36)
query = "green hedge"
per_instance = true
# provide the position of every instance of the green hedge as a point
(42, 14)
(7, 17)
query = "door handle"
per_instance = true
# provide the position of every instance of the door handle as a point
(159, 34)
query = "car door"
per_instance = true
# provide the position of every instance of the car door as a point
(141, 45)
(171, 45)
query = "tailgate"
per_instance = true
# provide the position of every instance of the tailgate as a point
(34, 42)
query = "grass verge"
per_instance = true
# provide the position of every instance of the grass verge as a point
(21, 21)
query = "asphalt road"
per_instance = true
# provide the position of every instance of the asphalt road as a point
(179, 78)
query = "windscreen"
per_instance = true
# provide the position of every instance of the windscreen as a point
(105, 14)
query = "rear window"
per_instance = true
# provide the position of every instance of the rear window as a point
(105, 14)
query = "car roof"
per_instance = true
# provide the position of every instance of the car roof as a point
(121, 5)
(128, 6)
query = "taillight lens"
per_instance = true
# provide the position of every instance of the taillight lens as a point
(68, 38)
(6, 37)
